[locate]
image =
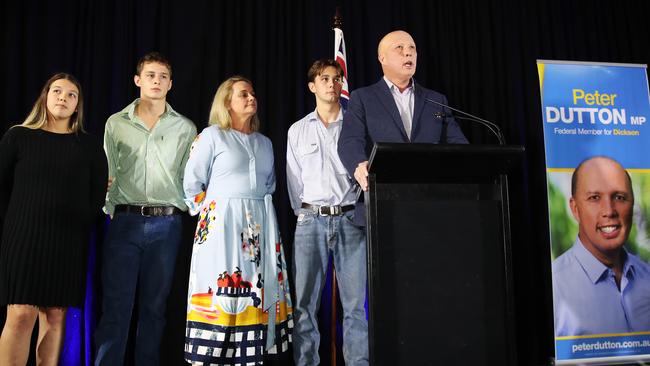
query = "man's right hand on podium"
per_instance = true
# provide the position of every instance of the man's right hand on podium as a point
(361, 174)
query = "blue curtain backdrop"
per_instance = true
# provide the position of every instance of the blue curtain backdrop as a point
(481, 54)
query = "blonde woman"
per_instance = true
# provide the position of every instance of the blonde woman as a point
(52, 185)
(239, 310)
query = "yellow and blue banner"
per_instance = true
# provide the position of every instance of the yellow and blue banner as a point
(598, 111)
(595, 108)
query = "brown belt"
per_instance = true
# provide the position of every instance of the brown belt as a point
(149, 210)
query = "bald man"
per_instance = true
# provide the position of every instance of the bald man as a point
(598, 286)
(395, 109)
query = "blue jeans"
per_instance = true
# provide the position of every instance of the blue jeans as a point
(316, 237)
(139, 252)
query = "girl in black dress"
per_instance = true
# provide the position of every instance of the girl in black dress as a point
(52, 187)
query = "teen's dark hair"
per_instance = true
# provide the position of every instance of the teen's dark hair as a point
(153, 57)
(319, 65)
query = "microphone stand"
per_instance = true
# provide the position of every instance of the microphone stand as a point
(467, 117)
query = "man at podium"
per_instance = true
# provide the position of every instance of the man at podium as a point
(598, 286)
(395, 109)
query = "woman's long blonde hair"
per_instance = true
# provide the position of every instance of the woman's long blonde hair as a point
(219, 114)
(37, 118)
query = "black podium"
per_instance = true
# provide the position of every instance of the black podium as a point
(439, 272)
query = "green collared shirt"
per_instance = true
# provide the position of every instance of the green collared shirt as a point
(147, 165)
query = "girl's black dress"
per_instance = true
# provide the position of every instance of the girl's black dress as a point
(52, 187)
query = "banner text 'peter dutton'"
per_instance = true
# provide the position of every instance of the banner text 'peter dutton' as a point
(591, 115)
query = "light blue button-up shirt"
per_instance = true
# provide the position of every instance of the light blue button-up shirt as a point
(405, 103)
(588, 301)
(315, 174)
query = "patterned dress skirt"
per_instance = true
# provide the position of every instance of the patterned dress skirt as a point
(236, 250)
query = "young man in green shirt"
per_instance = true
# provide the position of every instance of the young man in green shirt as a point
(147, 144)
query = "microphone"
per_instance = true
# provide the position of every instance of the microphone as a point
(467, 117)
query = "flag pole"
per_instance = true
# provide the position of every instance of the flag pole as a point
(337, 23)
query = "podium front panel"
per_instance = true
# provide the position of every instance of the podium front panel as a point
(437, 267)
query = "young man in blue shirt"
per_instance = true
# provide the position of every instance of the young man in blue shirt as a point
(322, 196)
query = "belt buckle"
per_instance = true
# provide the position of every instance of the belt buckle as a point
(321, 212)
(142, 210)
(337, 210)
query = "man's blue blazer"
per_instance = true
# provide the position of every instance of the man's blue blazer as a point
(372, 116)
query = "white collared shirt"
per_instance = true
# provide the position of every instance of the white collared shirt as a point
(315, 174)
(405, 103)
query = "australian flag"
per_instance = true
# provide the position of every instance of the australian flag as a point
(339, 56)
